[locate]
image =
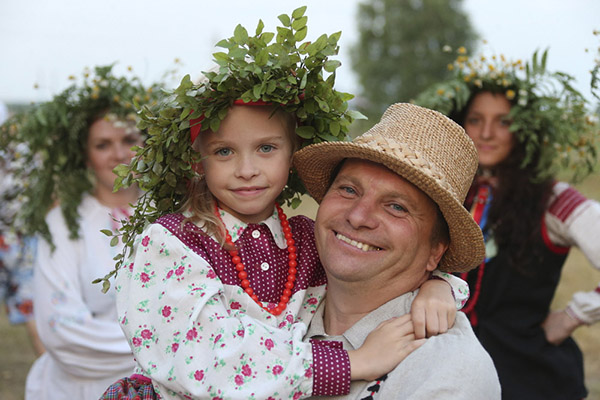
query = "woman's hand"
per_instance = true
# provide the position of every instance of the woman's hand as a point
(433, 310)
(385, 347)
(558, 326)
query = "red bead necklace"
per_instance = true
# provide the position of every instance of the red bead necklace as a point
(243, 275)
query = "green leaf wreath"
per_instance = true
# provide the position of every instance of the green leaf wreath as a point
(547, 111)
(276, 68)
(47, 143)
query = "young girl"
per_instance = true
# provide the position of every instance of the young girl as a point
(215, 300)
(522, 124)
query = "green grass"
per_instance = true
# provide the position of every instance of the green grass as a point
(17, 355)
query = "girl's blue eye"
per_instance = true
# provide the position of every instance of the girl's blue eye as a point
(223, 152)
(266, 148)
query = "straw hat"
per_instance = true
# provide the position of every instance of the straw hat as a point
(427, 149)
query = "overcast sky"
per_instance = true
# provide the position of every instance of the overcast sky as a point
(44, 41)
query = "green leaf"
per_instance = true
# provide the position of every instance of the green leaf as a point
(332, 65)
(301, 34)
(220, 56)
(267, 37)
(121, 170)
(299, 23)
(334, 127)
(107, 232)
(355, 115)
(171, 179)
(285, 19)
(114, 241)
(223, 43)
(240, 34)
(259, 27)
(299, 12)
(305, 132)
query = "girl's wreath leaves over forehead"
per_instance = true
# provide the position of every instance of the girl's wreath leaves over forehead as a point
(276, 68)
(548, 114)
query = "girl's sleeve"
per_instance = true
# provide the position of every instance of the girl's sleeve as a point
(574, 220)
(82, 344)
(196, 337)
(460, 288)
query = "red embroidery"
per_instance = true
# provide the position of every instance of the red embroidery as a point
(565, 203)
(551, 246)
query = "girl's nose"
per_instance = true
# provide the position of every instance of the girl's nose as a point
(246, 168)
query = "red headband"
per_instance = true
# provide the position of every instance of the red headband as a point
(196, 123)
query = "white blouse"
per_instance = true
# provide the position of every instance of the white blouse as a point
(86, 350)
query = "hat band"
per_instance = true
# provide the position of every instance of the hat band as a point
(403, 152)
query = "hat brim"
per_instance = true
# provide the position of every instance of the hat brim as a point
(315, 165)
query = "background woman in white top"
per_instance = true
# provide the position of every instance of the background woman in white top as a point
(76, 140)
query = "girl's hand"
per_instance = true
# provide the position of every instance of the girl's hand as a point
(385, 347)
(558, 326)
(433, 310)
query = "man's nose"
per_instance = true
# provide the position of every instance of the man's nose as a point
(362, 213)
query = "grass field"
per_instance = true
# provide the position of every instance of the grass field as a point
(16, 353)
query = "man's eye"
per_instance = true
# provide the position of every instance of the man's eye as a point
(398, 207)
(266, 148)
(223, 152)
(348, 189)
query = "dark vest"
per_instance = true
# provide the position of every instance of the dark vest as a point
(510, 310)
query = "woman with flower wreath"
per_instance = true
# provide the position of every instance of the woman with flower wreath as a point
(524, 121)
(216, 296)
(74, 141)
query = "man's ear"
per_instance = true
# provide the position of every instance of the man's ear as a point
(437, 251)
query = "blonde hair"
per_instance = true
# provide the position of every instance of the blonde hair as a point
(200, 202)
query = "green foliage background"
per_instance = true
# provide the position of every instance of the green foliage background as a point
(400, 49)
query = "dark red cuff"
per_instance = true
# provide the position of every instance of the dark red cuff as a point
(331, 368)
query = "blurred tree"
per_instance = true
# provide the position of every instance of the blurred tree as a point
(403, 48)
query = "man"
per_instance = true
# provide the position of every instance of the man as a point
(390, 213)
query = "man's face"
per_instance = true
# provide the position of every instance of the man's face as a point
(373, 227)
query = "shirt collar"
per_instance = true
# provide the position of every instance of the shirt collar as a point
(236, 228)
(357, 334)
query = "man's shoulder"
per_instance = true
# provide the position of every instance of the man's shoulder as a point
(453, 363)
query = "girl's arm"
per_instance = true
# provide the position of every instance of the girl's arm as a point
(434, 309)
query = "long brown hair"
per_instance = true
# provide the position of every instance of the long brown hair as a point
(518, 206)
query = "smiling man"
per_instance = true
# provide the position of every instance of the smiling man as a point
(390, 213)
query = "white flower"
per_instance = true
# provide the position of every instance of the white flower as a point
(446, 49)
(522, 101)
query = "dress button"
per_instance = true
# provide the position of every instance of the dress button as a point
(264, 266)
(256, 234)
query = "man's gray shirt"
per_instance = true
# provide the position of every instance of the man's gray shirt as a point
(453, 365)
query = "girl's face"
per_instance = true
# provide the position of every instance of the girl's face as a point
(487, 124)
(107, 147)
(247, 161)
